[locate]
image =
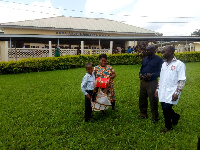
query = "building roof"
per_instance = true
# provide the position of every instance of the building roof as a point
(77, 23)
(7, 37)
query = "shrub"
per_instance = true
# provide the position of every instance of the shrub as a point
(77, 61)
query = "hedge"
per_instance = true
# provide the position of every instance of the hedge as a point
(67, 62)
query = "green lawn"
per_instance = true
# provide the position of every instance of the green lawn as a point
(45, 110)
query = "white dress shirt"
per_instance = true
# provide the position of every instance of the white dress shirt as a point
(88, 83)
(169, 76)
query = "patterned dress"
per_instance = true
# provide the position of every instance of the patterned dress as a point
(104, 72)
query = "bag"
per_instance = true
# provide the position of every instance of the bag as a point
(102, 102)
(102, 82)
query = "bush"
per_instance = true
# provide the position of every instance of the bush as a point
(77, 61)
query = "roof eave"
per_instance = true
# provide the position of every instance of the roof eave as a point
(79, 30)
(124, 38)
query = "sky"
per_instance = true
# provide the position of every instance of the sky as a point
(169, 17)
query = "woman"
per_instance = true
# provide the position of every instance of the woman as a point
(57, 51)
(106, 71)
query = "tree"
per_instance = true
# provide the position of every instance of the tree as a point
(141, 47)
(196, 33)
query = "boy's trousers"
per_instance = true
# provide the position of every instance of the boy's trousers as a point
(88, 108)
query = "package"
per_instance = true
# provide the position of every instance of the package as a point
(102, 82)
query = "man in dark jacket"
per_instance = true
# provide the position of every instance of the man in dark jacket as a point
(149, 72)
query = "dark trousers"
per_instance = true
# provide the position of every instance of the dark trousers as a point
(88, 108)
(147, 89)
(169, 114)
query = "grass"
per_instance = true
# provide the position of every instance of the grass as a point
(45, 110)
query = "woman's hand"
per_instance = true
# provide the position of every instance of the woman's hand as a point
(113, 75)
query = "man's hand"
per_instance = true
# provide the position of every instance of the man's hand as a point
(156, 94)
(88, 96)
(174, 97)
(141, 76)
(149, 75)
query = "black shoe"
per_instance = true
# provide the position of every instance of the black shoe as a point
(115, 110)
(102, 113)
(113, 106)
(163, 131)
(143, 117)
(155, 121)
(175, 120)
(87, 120)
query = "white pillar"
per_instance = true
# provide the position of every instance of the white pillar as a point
(50, 49)
(111, 47)
(82, 47)
(186, 46)
(99, 44)
(129, 43)
(58, 42)
(11, 48)
(6, 50)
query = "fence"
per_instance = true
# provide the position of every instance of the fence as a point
(19, 53)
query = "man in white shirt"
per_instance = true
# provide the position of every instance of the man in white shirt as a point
(172, 81)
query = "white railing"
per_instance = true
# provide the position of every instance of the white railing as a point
(85, 51)
(66, 52)
(101, 51)
(19, 53)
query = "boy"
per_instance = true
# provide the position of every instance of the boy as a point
(87, 86)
